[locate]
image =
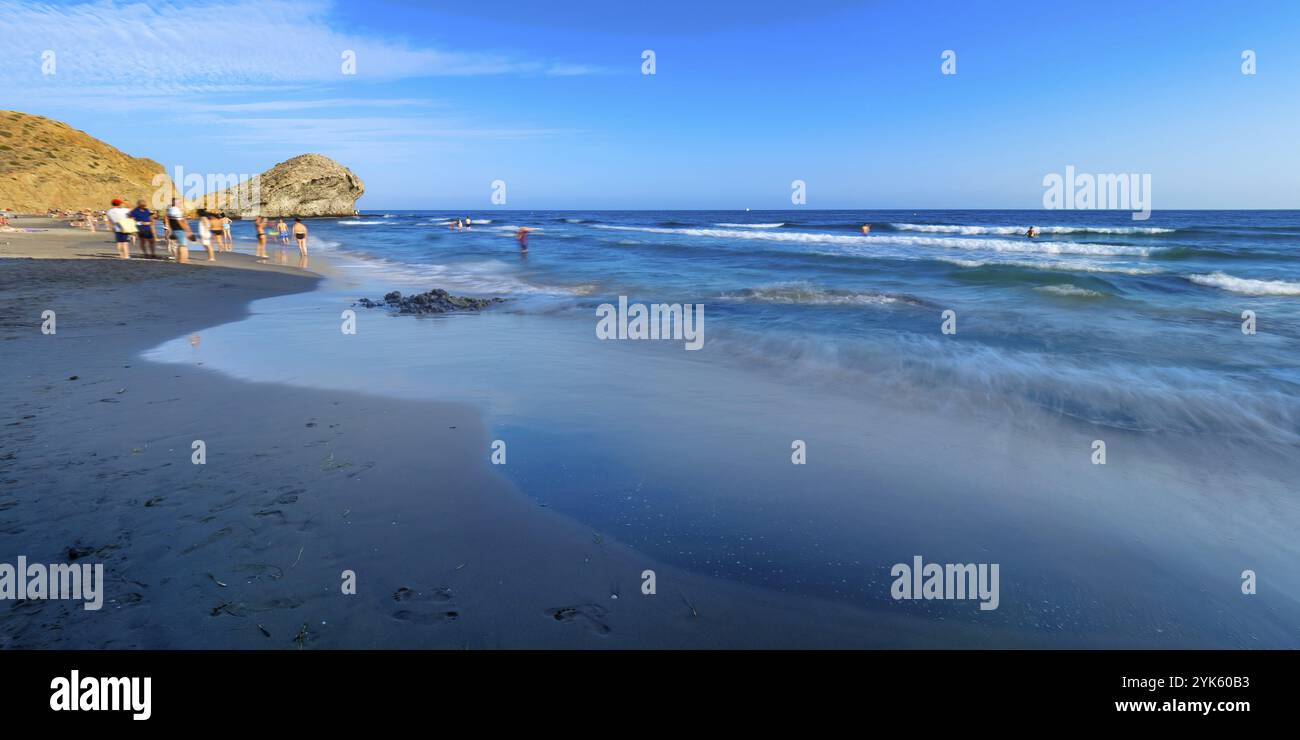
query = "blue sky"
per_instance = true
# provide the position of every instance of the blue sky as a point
(747, 96)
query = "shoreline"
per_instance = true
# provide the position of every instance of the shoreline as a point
(300, 485)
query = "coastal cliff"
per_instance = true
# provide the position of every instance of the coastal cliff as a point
(48, 164)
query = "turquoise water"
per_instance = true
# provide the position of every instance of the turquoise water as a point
(966, 447)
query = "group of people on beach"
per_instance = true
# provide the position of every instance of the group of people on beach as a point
(213, 230)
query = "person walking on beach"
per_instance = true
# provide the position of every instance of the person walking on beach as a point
(205, 234)
(218, 234)
(143, 218)
(120, 220)
(179, 229)
(176, 230)
(214, 226)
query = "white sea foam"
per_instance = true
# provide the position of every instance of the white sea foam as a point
(1026, 246)
(752, 226)
(805, 293)
(1247, 286)
(486, 277)
(1072, 291)
(1061, 265)
(363, 223)
(1020, 230)
(921, 370)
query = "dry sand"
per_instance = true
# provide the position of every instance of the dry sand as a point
(248, 550)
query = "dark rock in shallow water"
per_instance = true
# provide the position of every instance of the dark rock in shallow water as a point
(433, 302)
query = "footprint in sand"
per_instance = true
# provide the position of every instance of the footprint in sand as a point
(440, 595)
(591, 615)
(406, 615)
(214, 537)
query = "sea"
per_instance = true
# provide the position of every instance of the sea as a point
(1110, 411)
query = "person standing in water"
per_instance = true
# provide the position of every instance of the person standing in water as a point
(300, 235)
(866, 228)
(228, 238)
(522, 236)
(1033, 232)
(259, 224)
(283, 228)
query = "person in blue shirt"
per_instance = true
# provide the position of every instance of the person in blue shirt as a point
(143, 218)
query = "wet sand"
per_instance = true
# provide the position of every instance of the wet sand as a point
(249, 550)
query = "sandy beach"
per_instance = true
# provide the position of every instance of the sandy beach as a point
(248, 550)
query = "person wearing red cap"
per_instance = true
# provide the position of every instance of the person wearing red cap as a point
(123, 228)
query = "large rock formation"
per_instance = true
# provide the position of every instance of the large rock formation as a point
(307, 185)
(47, 164)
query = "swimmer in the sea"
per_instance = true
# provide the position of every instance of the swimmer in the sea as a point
(866, 228)
(1033, 232)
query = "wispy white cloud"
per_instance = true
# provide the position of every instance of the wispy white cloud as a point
(364, 132)
(250, 82)
(277, 106)
(213, 47)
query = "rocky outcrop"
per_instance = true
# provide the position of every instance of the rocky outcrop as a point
(307, 185)
(48, 164)
(435, 301)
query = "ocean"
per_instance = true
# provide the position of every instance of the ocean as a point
(1171, 341)
(1135, 325)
